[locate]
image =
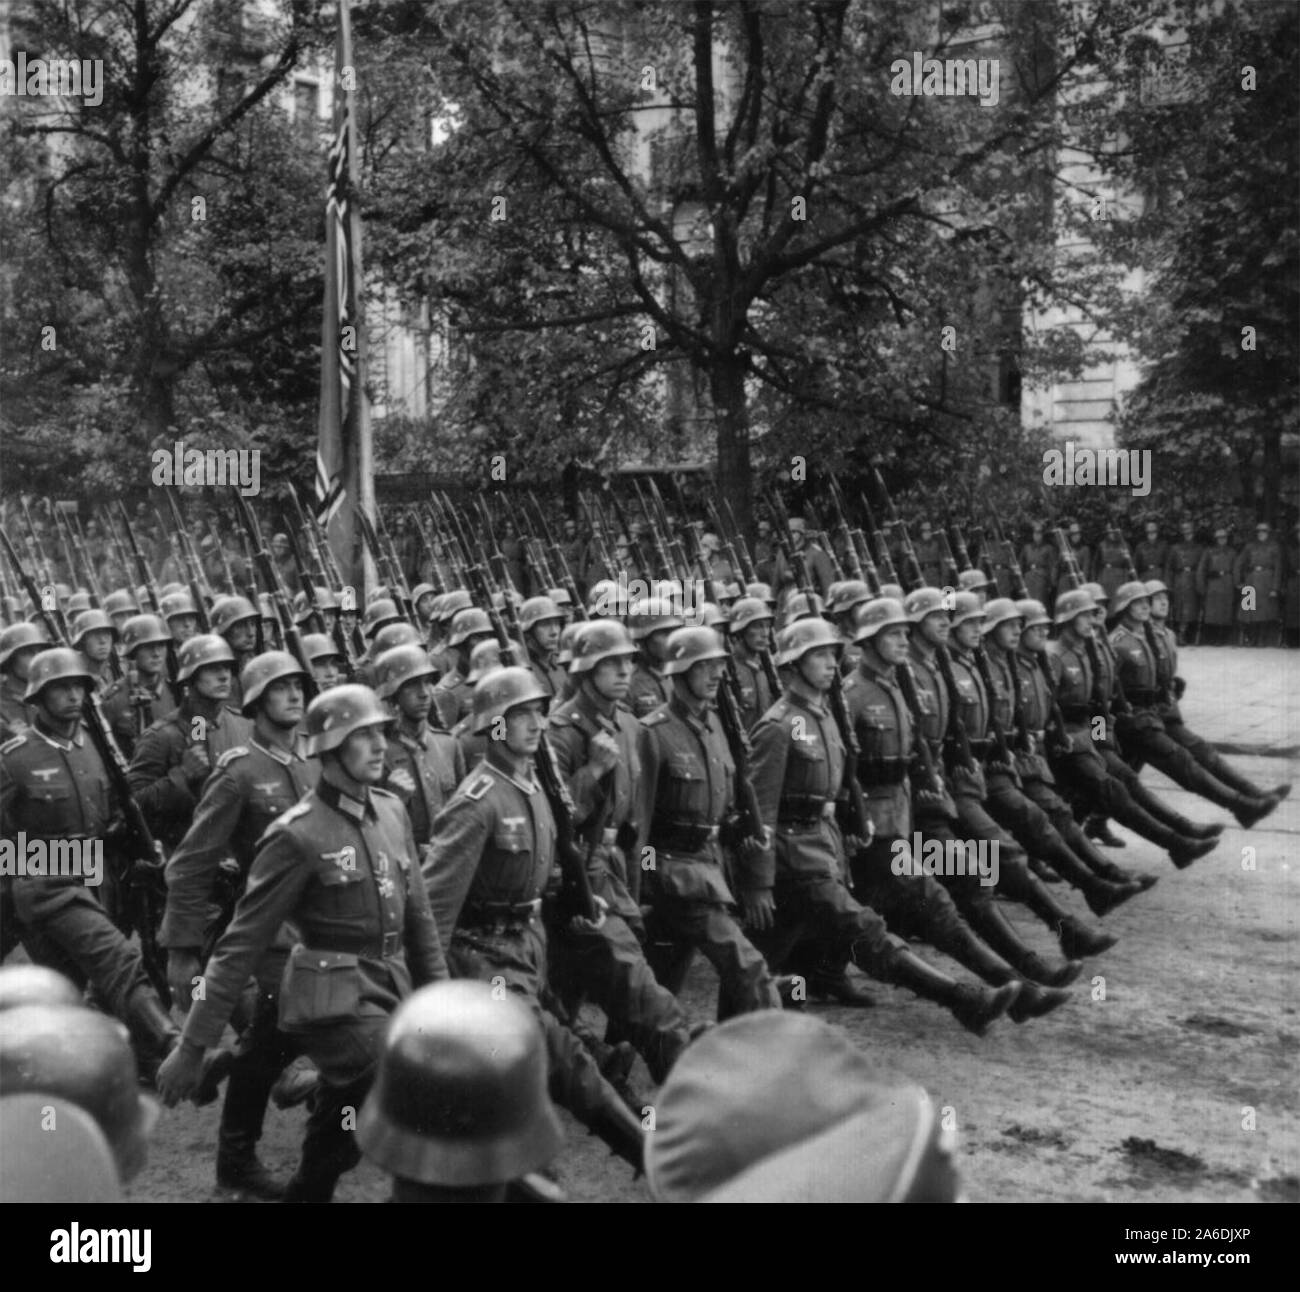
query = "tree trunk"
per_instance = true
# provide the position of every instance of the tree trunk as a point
(731, 428)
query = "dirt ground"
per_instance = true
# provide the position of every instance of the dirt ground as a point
(1170, 1077)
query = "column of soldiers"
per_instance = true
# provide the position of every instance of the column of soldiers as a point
(567, 798)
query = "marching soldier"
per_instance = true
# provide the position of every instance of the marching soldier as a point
(1151, 556)
(540, 622)
(690, 780)
(596, 750)
(423, 764)
(1216, 583)
(94, 635)
(19, 645)
(235, 619)
(1110, 567)
(1184, 564)
(251, 786)
(119, 606)
(54, 786)
(182, 619)
(176, 755)
(341, 867)
(147, 698)
(1082, 551)
(487, 868)
(1038, 560)
(929, 553)
(750, 629)
(819, 571)
(797, 891)
(1141, 732)
(1090, 768)
(1259, 569)
(325, 661)
(453, 697)
(651, 623)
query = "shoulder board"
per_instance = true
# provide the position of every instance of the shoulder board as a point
(239, 751)
(14, 743)
(655, 717)
(478, 786)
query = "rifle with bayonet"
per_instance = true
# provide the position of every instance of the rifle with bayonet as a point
(595, 522)
(181, 545)
(567, 581)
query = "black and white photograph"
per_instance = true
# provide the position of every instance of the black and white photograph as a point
(650, 601)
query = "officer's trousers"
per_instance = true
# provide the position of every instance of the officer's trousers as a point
(678, 927)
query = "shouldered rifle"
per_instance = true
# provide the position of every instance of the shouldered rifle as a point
(226, 573)
(567, 581)
(734, 547)
(595, 522)
(913, 578)
(852, 560)
(781, 537)
(181, 545)
(140, 881)
(39, 558)
(402, 585)
(1019, 589)
(663, 564)
(435, 574)
(884, 558)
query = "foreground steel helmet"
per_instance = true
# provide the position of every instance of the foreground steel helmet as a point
(597, 640)
(453, 603)
(1000, 610)
(966, 605)
(21, 637)
(55, 1152)
(379, 612)
(653, 615)
(29, 984)
(392, 635)
(335, 714)
(120, 602)
(144, 630)
(85, 1057)
(688, 646)
(1127, 594)
(1034, 613)
(925, 601)
(470, 622)
(537, 610)
(795, 641)
(1155, 585)
(460, 1097)
(260, 672)
(876, 616)
(1071, 604)
(176, 604)
(318, 646)
(199, 651)
(399, 665)
(501, 690)
(486, 656)
(845, 595)
(90, 621)
(228, 611)
(746, 611)
(58, 664)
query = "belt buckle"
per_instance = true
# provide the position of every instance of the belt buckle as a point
(391, 944)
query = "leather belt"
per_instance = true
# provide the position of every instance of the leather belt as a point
(389, 945)
(481, 913)
(1143, 697)
(883, 771)
(810, 816)
(672, 836)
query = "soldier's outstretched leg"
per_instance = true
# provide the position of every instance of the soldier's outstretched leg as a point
(974, 1007)
(989, 922)
(1035, 999)
(1218, 766)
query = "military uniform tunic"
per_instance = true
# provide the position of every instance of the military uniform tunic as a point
(648, 690)
(423, 771)
(1183, 581)
(1259, 565)
(753, 693)
(1216, 580)
(1038, 562)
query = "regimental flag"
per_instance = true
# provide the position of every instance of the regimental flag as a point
(343, 448)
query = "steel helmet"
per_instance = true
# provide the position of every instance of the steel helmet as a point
(58, 664)
(335, 714)
(560, 596)
(537, 610)
(470, 622)
(729, 591)
(1034, 613)
(20, 637)
(202, 649)
(1000, 611)
(1098, 593)
(261, 671)
(379, 612)
(399, 665)
(803, 605)
(688, 646)
(171, 589)
(892, 591)
(144, 630)
(393, 635)
(485, 656)
(89, 621)
(845, 595)
(78, 603)
(597, 640)
(652, 615)
(966, 605)
(28, 984)
(303, 609)
(1127, 594)
(877, 615)
(382, 592)
(796, 640)
(176, 604)
(603, 597)
(74, 1164)
(420, 591)
(711, 615)
(1154, 586)
(925, 601)
(453, 603)
(974, 581)
(228, 611)
(120, 602)
(460, 1097)
(763, 591)
(564, 648)
(499, 691)
(1071, 604)
(318, 646)
(85, 1057)
(746, 611)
